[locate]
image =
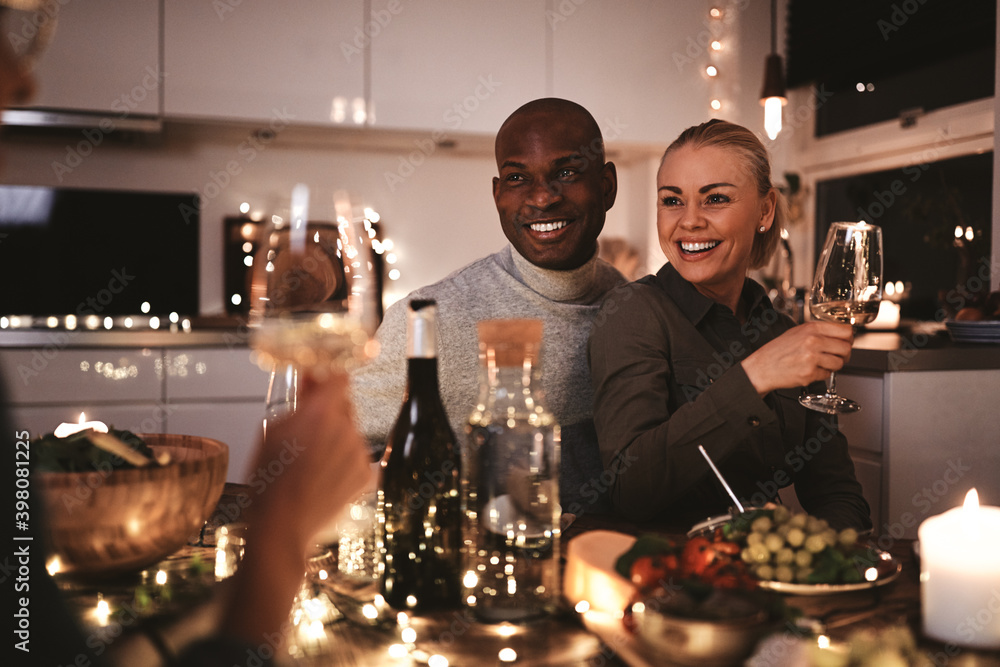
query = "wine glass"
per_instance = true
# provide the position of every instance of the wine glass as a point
(313, 297)
(847, 288)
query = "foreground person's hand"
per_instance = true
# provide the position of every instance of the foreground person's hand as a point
(323, 465)
(800, 356)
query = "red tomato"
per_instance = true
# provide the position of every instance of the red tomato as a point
(698, 554)
(647, 572)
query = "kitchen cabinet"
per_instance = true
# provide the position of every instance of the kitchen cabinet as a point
(207, 390)
(922, 439)
(453, 66)
(266, 61)
(104, 57)
(217, 393)
(629, 64)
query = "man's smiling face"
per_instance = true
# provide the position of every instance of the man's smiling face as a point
(554, 187)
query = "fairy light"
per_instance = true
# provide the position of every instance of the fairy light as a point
(716, 52)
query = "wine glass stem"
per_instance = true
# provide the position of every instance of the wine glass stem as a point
(831, 385)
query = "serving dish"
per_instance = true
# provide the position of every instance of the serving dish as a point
(885, 568)
(594, 588)
(101, 524)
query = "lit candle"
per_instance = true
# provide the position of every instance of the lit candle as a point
(960, 575)
(67, 429)
(102, 611)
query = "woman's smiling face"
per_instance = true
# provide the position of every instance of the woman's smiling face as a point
(707, 213)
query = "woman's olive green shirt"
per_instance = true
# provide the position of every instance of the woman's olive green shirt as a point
(665, 365)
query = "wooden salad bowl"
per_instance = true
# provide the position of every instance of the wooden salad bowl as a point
(102, 524)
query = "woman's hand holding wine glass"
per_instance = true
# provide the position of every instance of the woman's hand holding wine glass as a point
(847, 288)
(313, 297)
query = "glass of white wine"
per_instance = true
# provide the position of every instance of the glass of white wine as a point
(313, 297)
(847, 288)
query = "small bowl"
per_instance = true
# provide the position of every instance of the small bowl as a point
(694, 641)
(102, 524)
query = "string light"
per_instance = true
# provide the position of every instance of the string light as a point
(715, 51)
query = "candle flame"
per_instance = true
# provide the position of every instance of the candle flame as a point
(102, 611)
(83, 418)
(970, 515)
(971, 500)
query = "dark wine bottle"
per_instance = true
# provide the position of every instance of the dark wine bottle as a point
(420, 504)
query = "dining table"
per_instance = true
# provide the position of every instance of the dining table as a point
(336, 620)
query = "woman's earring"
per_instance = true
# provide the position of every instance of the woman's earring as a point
(762, 229)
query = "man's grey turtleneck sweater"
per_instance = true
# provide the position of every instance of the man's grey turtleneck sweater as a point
(502, 285)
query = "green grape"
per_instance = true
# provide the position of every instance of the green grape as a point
(802, 574)
(830, 537)
(783, 530)
(798, 521)
(761, 524)
(803, 558)
(784, 556)
(781, 514)
(795, 537)
(755, 538)
(848, 537)
(764, 572)
(773, 542)
(815, 525)
(756, 553)
(815, 543)
(784, 573)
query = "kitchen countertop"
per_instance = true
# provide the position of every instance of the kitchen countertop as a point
(229, 333)
(915, 347)
(926, 347)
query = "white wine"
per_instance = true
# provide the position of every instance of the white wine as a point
(319, 341)
(848, 312)
(419, 505)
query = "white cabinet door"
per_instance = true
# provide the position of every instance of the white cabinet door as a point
(265, 60)
(104, 57)
(239, 424)
(627, 62)
(453, 66)
(58, 374)
(212, 373)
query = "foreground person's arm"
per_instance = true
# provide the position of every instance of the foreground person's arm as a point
(331, 468)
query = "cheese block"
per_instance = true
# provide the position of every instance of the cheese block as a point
(590, 571)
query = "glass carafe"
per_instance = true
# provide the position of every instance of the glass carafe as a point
(510, 481)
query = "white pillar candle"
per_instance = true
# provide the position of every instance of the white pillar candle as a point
(960, 575)
(67, 429)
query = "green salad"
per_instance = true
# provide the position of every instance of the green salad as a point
(76, 453)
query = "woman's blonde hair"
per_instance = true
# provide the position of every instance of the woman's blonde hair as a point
(744, 143)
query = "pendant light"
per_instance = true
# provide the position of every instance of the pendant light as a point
(773, 97)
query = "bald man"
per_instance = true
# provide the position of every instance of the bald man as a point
(552, 192)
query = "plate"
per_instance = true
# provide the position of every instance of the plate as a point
(886, 568)
(974, 331)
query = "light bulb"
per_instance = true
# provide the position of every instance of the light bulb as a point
(772, 116)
